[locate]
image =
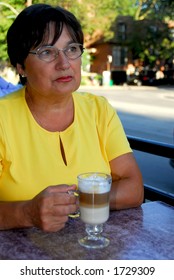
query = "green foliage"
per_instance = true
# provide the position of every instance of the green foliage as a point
(97, 17)
(153, 44)
(8, 11)
(159, 9)
(156, 42)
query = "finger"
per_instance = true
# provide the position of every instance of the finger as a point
(60, 188)
(57, 221)
(64, 210)
(63, 199)
(53, 227)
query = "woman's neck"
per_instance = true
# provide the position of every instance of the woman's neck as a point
(51, 114)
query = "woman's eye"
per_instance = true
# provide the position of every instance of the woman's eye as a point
(72, 49)
(45, 52)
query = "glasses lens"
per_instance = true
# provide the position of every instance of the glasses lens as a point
(74, 51)
(48, 53)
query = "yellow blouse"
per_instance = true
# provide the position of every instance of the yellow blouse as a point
(30, 156)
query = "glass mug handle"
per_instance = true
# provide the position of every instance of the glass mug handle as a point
(77, 213)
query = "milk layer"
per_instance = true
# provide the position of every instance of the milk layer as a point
(94, 215)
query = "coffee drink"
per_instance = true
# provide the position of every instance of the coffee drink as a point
(92, 211)
(94, 199)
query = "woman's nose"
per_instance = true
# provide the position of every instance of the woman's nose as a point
(62, 61)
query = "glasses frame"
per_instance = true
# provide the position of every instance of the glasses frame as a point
(57, 51)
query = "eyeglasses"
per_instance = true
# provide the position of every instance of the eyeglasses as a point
(50, 53)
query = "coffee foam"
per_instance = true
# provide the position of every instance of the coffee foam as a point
(93, 184)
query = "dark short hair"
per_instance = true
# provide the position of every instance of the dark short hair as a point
(31, 28)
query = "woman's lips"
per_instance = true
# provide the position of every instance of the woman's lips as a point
(64, 79)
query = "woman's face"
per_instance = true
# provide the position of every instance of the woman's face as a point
(58, 77)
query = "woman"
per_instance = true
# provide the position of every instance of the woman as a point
(49, 133)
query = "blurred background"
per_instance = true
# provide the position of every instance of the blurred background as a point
(126, 41)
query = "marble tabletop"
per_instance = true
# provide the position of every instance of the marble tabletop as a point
(143, 233)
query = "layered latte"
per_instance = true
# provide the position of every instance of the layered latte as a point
(94, 200)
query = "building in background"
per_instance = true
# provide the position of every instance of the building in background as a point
(119, 56)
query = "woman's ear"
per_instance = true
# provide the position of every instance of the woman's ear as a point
(20, 70)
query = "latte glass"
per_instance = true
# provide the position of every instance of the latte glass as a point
(94, 189)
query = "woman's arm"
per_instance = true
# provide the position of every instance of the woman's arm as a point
(48, 211)
(127, 186)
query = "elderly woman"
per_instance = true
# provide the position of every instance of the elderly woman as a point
(49, 133)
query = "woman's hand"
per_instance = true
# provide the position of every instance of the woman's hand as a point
(49, 210)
